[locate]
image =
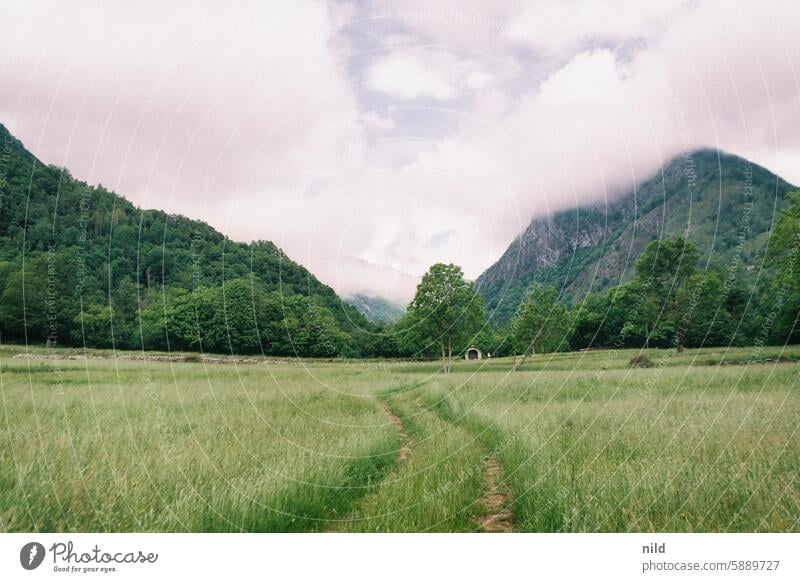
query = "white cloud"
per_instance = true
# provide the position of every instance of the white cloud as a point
(478, 80)
(587, 77)
(409, 75)
(378, 121)
(400, 40)
(559, 27)
(417, 73)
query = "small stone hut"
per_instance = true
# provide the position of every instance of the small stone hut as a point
(473, 353)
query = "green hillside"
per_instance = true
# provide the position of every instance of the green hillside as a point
(81, 265)
(722, 203)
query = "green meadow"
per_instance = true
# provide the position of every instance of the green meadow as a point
(703, 440)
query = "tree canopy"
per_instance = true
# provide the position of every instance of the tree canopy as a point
(445, 314)
(541, 325)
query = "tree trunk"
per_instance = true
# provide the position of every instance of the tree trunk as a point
(444, 358)
(449, 355)
(518, 363)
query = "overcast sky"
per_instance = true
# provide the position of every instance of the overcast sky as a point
(370, 139)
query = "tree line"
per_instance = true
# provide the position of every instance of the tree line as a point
(669, 303)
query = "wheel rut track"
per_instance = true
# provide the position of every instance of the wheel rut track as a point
(497, 500)
(499, 517)
(397, 422)
(403, 452)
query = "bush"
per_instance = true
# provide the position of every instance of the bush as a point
(641, 361)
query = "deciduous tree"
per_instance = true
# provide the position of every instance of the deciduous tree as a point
(446, 312)
(541, 325)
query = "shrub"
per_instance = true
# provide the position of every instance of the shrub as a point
(641, 361)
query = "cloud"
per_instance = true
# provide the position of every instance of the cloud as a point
(586, 78)
(415, 73)
(559, 27)
(377, 121)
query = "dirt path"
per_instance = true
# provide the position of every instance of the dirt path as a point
(405, 450)
(499, 518)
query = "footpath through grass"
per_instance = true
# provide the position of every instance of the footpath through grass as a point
(706, 440)
(435, 488)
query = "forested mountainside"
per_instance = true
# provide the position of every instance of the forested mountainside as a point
(80, 265)
(376, 309)
(724, 204)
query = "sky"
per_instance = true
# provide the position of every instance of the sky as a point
(370, 139)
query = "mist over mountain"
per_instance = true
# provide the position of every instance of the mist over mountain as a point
(725, 204)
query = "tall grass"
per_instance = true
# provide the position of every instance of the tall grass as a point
(695, 450)
(135, 447)
(585, 442)
(437, 486)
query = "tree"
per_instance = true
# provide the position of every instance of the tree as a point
(292, 325)
(709, 322)
(380, 341)
(240, 300)
(39, 301)
(784, 252)
(641, 311)
(663, 272)
(588, 322)
(445, 312)
(315, 333)
(196, 321)
(540, 325)
(93, 327)
(155, 315)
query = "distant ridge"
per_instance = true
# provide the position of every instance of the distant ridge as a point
(376, 309)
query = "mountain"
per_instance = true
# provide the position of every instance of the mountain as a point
(81, 251)
(376, 309)
(723, 203)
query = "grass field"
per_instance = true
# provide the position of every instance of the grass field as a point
(704, 440)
